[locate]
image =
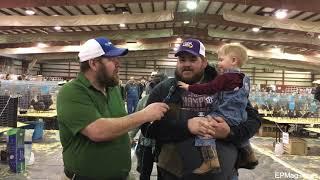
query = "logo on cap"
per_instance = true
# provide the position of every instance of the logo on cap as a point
(108, 43)
(187, 44)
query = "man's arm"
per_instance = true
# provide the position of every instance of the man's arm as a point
(106, 129)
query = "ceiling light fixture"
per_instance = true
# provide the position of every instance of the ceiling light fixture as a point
(132, 43)
(42, 45)
(281, 14)
(256, 29)
(186, 22)
(30, 12)
(58, 28)
(122, 25)
(276, 49)
(191, 5)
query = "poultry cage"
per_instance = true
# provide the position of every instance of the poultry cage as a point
(8, 111)
(286, 104)
(37, 95)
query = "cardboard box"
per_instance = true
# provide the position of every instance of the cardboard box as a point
(267, 130)
(296, 146)
(16, 150)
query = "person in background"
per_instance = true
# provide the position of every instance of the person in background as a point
(148, 88)
(143, 82)
(24, 77)
(146, 146)
(317, 92)
(176, 132)
(8, 77)
(132, 90)
(141, 88)
(122, 90)
(233, 89)
(93, 123)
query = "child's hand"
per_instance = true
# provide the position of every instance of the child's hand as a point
(183, 85)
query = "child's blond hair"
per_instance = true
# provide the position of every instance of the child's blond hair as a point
(236, 50)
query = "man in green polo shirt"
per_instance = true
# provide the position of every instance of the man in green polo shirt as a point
(92, 119)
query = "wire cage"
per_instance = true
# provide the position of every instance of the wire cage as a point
(8, 111)
(39, 95)
(286, 104)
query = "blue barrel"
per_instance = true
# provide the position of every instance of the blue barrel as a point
(38, 127)
(38, 130)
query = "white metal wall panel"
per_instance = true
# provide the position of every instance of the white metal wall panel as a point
(240, 8)
(226, 7)
(253, 9)
(171, 5)
(304, 15)
(60, 10)
(158, 6)
(85, 9)
(134, 7)
(214, 7)
(97, 9)
(46, 9)
(314, 18)
(146, 7)
(73, 10)
(202, 5)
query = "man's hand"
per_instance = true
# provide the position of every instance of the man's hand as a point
(154, 111)
(220, 128)
(200, 126)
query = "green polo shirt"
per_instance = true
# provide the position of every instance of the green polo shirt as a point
(78, 105)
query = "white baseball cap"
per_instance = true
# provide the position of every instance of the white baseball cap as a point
(316, 82)
(153, 73)
(97, 47)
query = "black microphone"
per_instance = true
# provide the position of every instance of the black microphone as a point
(170, 93)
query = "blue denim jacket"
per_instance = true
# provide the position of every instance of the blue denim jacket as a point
(231, 106)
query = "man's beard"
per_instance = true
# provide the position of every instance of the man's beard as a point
(194, 79)
(104, 79)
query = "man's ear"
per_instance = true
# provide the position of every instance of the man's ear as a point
(93, 64)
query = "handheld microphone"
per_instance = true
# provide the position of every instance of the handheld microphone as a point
(170, 93)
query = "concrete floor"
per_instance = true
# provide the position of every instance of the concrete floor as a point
(48, 162)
